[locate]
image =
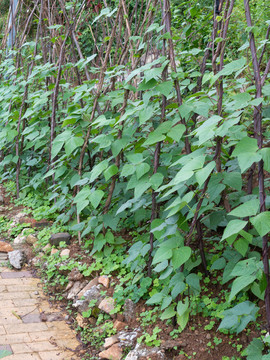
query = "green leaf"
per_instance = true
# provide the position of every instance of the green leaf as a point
(233, 227)
(261, 223)
(81, 205)
(155, 299)
(180, 256)
(166, 302)
(141, 188)
(161, 255)
(168, 313)
(177, 132)
(218, 264)
(240, 283)
(178, 288)
(165, 88)
(127, 170)
(95, 197)
(241, 245)
(249, 208)
(246, 153)
(142, 169)
(98, 169)
(233, 179)
(265, 153)
(72, 144)
(56, 147)
(202, 175)
(110, 172)
(156, 180)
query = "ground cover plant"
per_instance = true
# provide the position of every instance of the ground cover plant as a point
(145, 126)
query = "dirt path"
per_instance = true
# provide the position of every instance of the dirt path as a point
(29, 328)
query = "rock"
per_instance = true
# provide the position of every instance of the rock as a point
(107, 305)
(169, 344)
(16, 258)
(208, 336)
(104, 280)
(92, 294)
(54, 251)
(20, 239)
(77, 286)
(75, 275)
(2, 200)
(129, 310)
(65, 252)
(92, 283)
(19, 216)
(119, 325)
(128, 338)
(112, 353)
(47, 248)
(31, 239)
(82, 322)
(55, 239)
(35, 261)
(5, 247)
(110, 341)
(141, 351)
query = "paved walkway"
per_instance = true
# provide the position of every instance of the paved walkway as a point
(29, 328)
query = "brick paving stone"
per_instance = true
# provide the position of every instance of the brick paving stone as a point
(14, 338)
(32, 347)
(2, 330)
(16, 274)
(21, 303)
(25, 328)
(23, 357)
(56, 355)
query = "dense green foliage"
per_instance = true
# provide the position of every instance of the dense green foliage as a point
(125, 155)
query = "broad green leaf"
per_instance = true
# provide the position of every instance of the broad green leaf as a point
(245, 267)
(193, 281)
(233, 179)
(111, 171)
(142, 169)
(241, 245)
(135, 158)
(161, 255)
(202, 174)
(156, 180)
(154, 138)
(177, 132)
(246, 153)
(249, 208)
(127, 170)
(166, 302)
(265, 153)
(180, 256)
(155, 299)
(219, 264)
(182, 307)
(240, 283)
(161, 266)
(81, 205)
(261, 223)
(95, 197)
(178, 288)
(141, 188)
(72, 144)
(233, 227)
(98, 169)
(168, 313)
(56, 147)
(165, 88)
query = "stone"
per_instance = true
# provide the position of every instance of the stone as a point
(91, 294)
(141, 351)
(54, 251)
(91, 283)
(65, 252)
(5, 247)
(110, 341)
(129, 310)
(119, 325)
(55, 239)
(75, 275)
(31, 239)
(104, 280)
(107, 305)
(112, 353)
(81, 321)
(20, 239)
(77, 286)
(35, 261)
(2, 200)
(16, 258)
(47, 248)
(128, 338)
(208, 336)
(169, 344)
